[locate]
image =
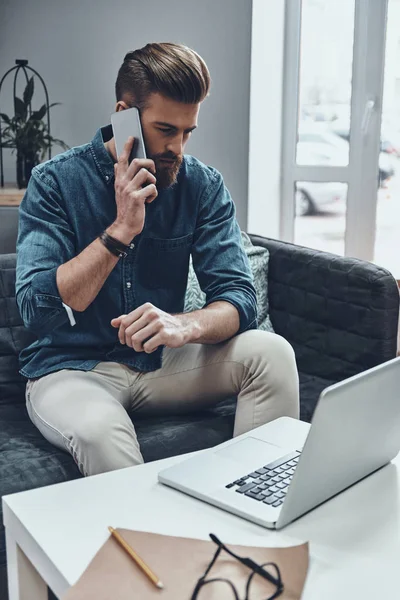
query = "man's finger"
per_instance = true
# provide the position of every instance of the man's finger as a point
(124, 321)
(137, 326)
(126, 152)
(133, 328)
(137, 313)
(140, 163)
(152, 344)
(129, 326)
(137, 339)
(121, 334)
(122, 327)
(117, 320)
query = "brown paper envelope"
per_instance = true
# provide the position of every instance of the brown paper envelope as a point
(179, 562)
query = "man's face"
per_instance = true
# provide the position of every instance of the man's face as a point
(166, 126)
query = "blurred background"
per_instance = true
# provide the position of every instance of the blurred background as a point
(303, 120)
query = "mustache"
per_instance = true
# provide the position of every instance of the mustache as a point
(168, 157)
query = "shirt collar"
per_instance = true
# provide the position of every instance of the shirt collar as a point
(103, 159)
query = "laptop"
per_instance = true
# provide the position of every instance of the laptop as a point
(355, 431)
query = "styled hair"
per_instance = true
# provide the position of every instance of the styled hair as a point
(173, 70)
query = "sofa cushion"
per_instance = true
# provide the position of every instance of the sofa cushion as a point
(258, 257)
(310, 388)
(185, 433)
(27, 460)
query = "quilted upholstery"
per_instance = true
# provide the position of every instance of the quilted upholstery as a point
(339, 314)
(13, 335)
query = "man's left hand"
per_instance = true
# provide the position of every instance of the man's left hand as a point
(147, 327)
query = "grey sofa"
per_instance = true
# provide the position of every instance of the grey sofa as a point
(8, 228)
(340, 315)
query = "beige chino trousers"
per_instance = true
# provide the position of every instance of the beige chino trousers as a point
(89, 413)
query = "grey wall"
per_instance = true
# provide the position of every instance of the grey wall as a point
(78, 45)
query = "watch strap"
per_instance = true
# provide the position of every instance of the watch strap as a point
(113, 245)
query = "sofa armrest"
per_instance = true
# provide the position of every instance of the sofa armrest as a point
(340, 314)
(13, 335)
(8, 229)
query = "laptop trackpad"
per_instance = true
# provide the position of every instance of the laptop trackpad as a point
(252, 449)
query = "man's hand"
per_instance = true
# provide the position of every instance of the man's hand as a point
(135, 186)
(148, 327)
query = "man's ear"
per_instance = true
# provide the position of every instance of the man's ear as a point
(121, 105)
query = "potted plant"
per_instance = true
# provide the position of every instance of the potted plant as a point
(27, 134)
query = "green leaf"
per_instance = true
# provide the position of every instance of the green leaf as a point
(54, 104)
(38, 114)
(20, 108)
(5, 118)
(28, 93)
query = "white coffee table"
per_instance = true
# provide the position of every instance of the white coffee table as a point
(52, 533)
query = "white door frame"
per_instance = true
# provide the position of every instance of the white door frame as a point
(366, 110)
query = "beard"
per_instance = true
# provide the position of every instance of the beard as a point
(166, 173)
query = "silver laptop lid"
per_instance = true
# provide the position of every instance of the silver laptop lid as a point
(355, 431)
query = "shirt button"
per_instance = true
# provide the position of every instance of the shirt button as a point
(131, 246)
(107, 178)
(128, 285)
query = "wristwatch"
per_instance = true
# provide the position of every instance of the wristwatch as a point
(113, 245)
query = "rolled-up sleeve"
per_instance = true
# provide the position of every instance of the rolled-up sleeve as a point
(219, 260)
(45, 241)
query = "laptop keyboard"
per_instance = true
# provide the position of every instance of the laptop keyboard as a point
(268, 484)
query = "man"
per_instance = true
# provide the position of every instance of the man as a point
(103, 253)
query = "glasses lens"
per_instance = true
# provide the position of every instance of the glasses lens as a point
(216, 590)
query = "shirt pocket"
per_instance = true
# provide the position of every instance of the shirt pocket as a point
(164, 263)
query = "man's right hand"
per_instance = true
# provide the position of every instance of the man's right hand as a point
(135, 185)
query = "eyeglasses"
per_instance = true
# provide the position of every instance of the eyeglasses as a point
(274, 579)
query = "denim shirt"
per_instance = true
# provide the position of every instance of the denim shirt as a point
(69, 201)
